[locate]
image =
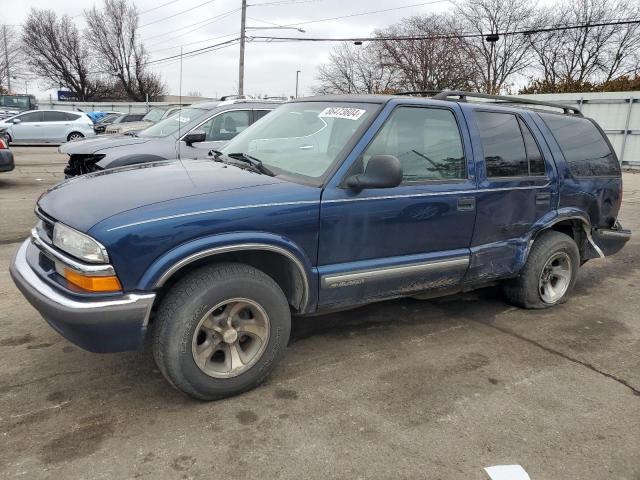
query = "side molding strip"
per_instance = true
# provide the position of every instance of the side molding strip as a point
(235, 248)
(361, 276)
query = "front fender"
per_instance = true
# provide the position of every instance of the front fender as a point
(170, 262)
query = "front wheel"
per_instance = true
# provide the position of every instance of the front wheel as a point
(549, 273)
(220, 330)
(74, 136)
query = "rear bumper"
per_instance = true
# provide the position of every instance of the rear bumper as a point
(6, 160)
(98, 325)
(610, 240)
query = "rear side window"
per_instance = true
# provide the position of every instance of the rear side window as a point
(503, 144)
(72, 116)
(585, 150)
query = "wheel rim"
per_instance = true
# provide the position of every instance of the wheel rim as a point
(230, 338)
(74, 136)
(555, 278)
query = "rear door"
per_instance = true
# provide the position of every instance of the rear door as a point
(517, 188)
(385, 242)
(54, 126)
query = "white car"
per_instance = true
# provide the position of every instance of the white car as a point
(47, 126)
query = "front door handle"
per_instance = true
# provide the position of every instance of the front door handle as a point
(543, 198)
(466, 204)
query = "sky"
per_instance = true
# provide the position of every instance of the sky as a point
(270, 68)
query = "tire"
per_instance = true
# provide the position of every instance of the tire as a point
(193, 342)
(552, 266)
(74, 136)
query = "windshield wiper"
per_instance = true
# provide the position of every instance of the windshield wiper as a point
(253, 161)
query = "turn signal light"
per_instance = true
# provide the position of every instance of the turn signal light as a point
(93, 284)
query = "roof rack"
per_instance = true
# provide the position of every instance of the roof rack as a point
(500, 99)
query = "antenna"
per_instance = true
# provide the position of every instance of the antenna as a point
(180, 109)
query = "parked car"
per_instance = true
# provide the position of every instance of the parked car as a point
(327, 203)
(193, 133)
(6, 156)
(116, 119)
(47, 126)
(11, 105)
(154, 115)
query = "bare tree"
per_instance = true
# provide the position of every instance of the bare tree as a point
(500, 60)
(56, 53)
(439, 61)
(112, 31)
(589, 54)
(354, 69)
(12, 60)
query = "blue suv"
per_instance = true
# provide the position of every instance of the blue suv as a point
(327, 203)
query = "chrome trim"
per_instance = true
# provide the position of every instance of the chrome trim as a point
(213, 210)
(56, 256)
(587, 231)
(239, 247)
(24, 269)
(435, 194)
(310, 202)
(360, 276)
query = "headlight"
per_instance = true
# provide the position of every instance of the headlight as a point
(78, 244)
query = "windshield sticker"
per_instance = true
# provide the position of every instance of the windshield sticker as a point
(183, 119)
(342, 112)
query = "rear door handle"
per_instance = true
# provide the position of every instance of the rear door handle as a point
(466, 204)
(543, 198)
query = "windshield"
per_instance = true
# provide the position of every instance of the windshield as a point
(302, 139)
(169, 126)
(154, 115)
(11, 101)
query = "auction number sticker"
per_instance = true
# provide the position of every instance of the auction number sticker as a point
(342, 112)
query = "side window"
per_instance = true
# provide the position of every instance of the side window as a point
(258, 114)
(425, 140)
(585, 150)
(502, 144)
(54, 116)
(31, 117)
(71, 116)
(534, 157)
(226, 125)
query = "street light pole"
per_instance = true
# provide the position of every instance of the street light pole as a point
(297, 75)
(243, 22)
(6, 57)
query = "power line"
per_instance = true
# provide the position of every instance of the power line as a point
(201, 23)
(447, 36)
(176, 14)
(360, 14)
(193, 43)
(190, 53)
(281, 2)
(159, 6)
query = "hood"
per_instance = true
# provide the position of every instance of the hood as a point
(83, 201)
(127, 127)
(95, 144)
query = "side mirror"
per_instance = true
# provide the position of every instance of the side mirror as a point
(194, 137)
(16, 121)
(382, 171)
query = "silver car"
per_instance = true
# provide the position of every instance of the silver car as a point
(47, 126)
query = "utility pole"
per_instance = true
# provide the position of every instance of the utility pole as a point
(6, 57)
(243, 21)
(297, 75)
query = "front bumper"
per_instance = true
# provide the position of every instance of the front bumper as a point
(6, 160)
(95, 324)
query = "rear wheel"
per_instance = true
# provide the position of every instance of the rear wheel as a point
(549, 274)
(220, 330)
(74, 136)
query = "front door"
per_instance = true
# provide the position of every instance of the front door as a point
(516, 189)
(29, 128)
(219, 129)
(386, 242)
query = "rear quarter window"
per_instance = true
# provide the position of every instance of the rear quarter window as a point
(585, 150)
